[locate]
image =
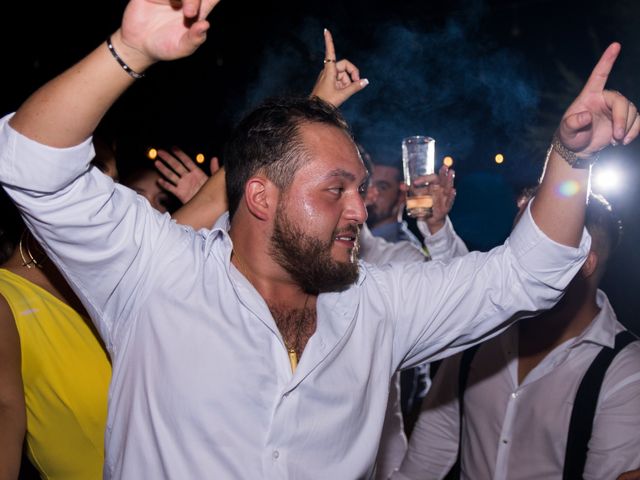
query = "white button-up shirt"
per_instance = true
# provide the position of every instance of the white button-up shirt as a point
(519, 431)
(202, 386)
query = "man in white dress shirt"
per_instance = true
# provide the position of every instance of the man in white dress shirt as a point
(262, 348)
(521, 389)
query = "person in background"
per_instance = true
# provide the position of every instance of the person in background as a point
(145, 180)
(520, 389)
(54, 369)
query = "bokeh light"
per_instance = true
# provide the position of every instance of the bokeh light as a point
(200, 158)
(152, 153)
(499, 158)
(447, 161)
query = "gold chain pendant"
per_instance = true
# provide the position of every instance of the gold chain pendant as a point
(293, 359)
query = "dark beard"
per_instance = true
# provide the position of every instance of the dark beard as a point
(308, 259)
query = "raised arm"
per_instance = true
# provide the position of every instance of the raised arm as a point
(597, 118)
(65, 111)
(206, 206)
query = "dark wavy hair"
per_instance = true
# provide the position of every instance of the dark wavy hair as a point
(268, 140)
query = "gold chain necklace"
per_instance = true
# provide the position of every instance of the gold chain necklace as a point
(291, 349)
(31, 262)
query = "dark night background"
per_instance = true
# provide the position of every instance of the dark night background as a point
(480, 76)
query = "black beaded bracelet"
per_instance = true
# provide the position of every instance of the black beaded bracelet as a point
(124, 66)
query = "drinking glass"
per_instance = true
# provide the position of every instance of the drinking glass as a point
(418, 160)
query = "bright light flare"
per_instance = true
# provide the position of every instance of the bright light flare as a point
(499, 158)
(607, 179)
(200, 158)
(152, 153)
(447, 161)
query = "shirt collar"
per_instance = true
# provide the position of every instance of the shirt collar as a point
(604, 327)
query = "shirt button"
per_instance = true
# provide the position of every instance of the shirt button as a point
(276, 454)
(504, 440)
(514, 395)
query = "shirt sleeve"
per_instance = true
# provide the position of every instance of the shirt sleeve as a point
(433, 446)
(445, 244)
(438, 309)
(378, 251)
(60, 196)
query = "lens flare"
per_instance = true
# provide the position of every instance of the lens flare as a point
(569, 188)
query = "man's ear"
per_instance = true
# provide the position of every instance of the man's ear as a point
(590, 265)
(261, 197)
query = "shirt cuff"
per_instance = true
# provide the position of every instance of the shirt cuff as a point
(545, 259)
(442, 236)
(29, 165)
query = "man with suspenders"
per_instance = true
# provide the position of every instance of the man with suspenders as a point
(558, 401)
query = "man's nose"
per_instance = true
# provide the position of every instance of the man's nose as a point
(356, 210)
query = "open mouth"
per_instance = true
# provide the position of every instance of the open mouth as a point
(347, 237)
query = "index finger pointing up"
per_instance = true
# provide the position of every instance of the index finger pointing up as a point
(330, 52)
(600, 74)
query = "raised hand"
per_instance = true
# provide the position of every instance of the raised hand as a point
(338, 80)
(441, 189)
(443, 194)
(165, 29)
(182, 177)
(598, 117)
(210, 202)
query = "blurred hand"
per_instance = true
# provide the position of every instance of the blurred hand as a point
(443, 194)
(182, 177)
(337, 80)
(598, 117)
(441, 189)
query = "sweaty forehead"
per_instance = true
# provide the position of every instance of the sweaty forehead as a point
(331, 149)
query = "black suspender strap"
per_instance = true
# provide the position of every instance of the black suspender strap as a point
(584, 408)
(463, 375)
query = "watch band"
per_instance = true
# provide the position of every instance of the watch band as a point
(570, 157)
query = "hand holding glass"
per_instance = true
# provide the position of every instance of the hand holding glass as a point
(418, 160)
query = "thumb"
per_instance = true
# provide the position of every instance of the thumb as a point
(574, 124)
(575, 130)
